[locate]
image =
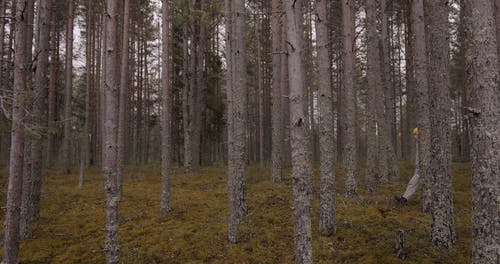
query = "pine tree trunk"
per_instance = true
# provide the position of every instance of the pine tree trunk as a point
(110, 143)
(124, 79)
(84, 153)
(276, 113)
(386, 122)
(166, 109)
(348, 99)
(484, 111)
(410, 84)
(3, 69)
(28, 119)
(39, 116)
(374, 80)
(442, 225)
(68, 87)
(237, 104)
(199, 102)
(14, 190)
(52, 91)
(497, 21)
(326, 133)
(422, 99)
(300, 137)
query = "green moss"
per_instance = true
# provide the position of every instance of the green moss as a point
(71, 228)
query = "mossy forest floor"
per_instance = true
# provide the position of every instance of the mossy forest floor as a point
(71, 228)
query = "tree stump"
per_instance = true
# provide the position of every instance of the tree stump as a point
(399, 245)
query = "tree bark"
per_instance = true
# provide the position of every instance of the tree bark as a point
(422, 97)
(124, 79)
(84, 153)
(300, 137)
(199, 102)
(14, 190)
(28, 120)
(276, 113)
(166, 109)
(39, 116)
(387, 116)
(485, 117)
(348, 100)
(326, 133)
(374, 81)
(52, 91)
(497, 22)
(442, 224)
(68, 87)
(110, 142)
(237, 104)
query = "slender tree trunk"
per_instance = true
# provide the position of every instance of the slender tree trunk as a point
(110, 142)
(3, 69)
(199, 102)
(68, 87)
(422, 97)
(186, 99)
(442, 224)
(410, 83)
(497, 21)
(386, 122)
(485, 117)
(276, 113)
(124, 71)
(260, 92)
(348, 100)
(14, 190)
(28, 119)
(237, 103)
(166, 109)
(300, 134)
(52, 91)
(374, 81)
(326, 133)
(39, 115)
(84, 153)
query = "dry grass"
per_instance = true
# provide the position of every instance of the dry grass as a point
(71, 229)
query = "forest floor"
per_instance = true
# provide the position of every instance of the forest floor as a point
(71, 228)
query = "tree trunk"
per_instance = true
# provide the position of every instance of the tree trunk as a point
(199, 102)
(110, 142)
(124, 79)
(326, 133)
(387, 116)
(28, 119)
(348, 100)
(84, 153)
(485, 117)
(410, 84)
(276, 113)
(68, 87)
(374, 81)
(52, 91)
(39, 115)
(422, 97)
(186, 99)
(300, 138)
(497, 21)
(14, 190)
(237, 103)
(166, 109)
(442, 224)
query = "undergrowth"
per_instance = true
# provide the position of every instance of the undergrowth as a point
(71, 228)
